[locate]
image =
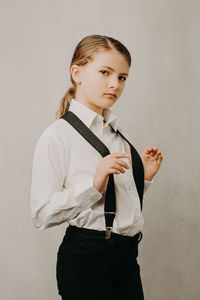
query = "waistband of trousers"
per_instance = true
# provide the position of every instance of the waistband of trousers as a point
(98, 235)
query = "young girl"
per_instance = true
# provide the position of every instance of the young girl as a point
(87, 174)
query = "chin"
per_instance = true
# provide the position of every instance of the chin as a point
(107, 105)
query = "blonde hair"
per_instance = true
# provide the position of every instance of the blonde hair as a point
(83, 53)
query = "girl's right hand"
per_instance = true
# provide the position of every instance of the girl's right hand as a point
(110, 164)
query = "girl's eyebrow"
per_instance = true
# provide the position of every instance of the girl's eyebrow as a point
(114, 70)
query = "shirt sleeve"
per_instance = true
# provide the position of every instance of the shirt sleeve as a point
(51, 202)
(147, 184)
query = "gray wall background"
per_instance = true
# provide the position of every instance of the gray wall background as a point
(159, 107)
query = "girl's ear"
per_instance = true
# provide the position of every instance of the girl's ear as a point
(75, 71)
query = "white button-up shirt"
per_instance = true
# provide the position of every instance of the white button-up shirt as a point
(64, 164)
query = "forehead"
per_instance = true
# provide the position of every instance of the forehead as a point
(112, 59)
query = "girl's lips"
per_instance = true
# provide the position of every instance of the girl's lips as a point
(109, 94)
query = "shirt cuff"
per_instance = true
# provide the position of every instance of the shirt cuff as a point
(86, 193)
(149, 181)
(147, 184)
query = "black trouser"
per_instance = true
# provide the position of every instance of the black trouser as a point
(91, 267)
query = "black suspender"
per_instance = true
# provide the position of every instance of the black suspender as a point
(137, 165)
(138, 170)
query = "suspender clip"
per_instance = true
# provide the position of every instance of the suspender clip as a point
(108, 232)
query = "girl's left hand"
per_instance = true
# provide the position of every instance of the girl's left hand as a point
(151, 158)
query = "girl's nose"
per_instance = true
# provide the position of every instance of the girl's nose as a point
(113, 83)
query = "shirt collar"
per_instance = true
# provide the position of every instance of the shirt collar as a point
(88, 116)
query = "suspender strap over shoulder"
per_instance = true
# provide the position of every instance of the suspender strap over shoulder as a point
(138, 172)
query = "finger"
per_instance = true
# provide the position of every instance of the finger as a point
(160, 158)
(147, 150)
(150, 150)
(151, 153)
(119, 154)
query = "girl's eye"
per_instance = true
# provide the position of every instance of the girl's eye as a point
(124, 78)
(104, 71)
